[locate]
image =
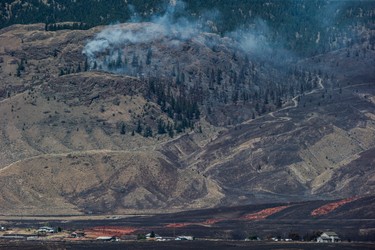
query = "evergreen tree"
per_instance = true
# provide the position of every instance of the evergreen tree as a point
(161, 127)
(78, 68)
(149, 56)
(118, 60)
(123, 128)
(139, 127)
(147, 132)
(86, 65)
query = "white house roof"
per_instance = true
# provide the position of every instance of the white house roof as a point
(104, 238)
(330, 234)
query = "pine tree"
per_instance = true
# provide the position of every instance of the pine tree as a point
(78, 68)
(86, 65)
(147, 132)
(123, 128)
(134, 61)
(118, 60)
(148, 57)
(161, 127)
(139, 127)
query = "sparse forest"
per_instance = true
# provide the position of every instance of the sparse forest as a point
(307, 27)
(303, 28)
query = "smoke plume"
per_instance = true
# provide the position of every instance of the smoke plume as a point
(167, 25)
(174, 27)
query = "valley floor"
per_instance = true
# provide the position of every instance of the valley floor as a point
(184, 245)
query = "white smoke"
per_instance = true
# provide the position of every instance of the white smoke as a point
(166, 25)
(176, 30)
(116, 36)
(253, 40)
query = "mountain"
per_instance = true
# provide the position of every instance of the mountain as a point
(297, 24)
(162, 116)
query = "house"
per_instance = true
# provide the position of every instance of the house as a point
(328, 237)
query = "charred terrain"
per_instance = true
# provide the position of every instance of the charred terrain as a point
(164, 115)
(221, 227)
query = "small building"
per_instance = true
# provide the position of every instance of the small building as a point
(184, 237)
(152, 236)
(164, 238)
(13, 236)
(328, 237)
(107, 238)
(32, 237)
(45, 230)
(77, 234)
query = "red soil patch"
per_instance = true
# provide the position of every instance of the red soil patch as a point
(212, 221)
(108, 231)
(254, 216)
(264, 213)
(323, 210)
(178, 225)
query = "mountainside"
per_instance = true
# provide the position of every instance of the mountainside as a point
(297, 24)
(161, 116)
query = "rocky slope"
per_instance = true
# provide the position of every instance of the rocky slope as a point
(70, 140)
